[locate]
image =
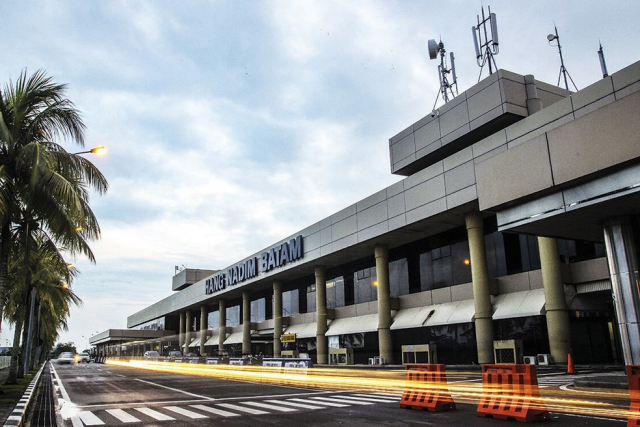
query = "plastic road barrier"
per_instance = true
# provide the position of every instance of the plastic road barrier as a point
(511, 392)
(427, 388)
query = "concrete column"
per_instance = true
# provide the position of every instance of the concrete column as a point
(481, 287)
(621, 240)
(203, 328)
(321, 315)
(246, 323)
(187, 332)
(555, 303)
(384, 304)
(277, 318)
(181, 331)
(222, 324)
(534, 103)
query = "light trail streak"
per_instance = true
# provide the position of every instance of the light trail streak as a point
(463, 389)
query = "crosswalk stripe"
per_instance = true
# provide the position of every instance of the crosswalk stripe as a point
(159, 416)
(89, 419)
(369, 398)
(185, 412)
(267, 406)
(215, 411)
(123, 416)
(332, 404)
(242, 409)
(341, 400)
(295, 404)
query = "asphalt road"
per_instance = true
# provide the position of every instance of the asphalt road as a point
(95, 394)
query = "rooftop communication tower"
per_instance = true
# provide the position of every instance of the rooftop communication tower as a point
(486, 41)
(603, 65)
(563, 70)
(446, 87)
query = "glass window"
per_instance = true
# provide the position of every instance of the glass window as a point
(399, 277)
(233, 315)
(213, 320)
(335, 292)
(258, 310)
(461, 267)
(290, 304)
(311, 298)
(152, 325)
(364, 285)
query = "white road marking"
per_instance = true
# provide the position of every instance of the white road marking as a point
(371, 398)
(185, 412)
(175, 389)
(332, 404)
(242, 409)
(295, 404)
(272, 407)
(159, 416)
(356, 400)
(341, 400)
(89, 419)
(123, 416)
(215, 411)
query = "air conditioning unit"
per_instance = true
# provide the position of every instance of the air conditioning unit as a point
(508, 351)
(341, 356)
(544, 359)
(421, 353)
(529, 360)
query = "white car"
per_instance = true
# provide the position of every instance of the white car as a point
(151, 354)
(85, 358)
(66, 357)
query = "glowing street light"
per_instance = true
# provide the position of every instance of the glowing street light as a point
(97, 150)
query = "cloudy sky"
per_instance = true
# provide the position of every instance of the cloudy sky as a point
(233, 124)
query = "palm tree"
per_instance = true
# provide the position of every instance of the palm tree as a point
(43, 188)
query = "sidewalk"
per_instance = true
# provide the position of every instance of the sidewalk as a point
(17, 403)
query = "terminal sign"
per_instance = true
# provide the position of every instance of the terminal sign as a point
(288, 338)
(275, 257)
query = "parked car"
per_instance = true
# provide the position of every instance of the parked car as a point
(194, 358)
(151, 354)
(85, 358)
(174, 353)
(66, 357)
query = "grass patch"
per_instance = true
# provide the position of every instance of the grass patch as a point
(12, 393)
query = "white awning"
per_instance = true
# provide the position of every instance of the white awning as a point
(302, 330)
(411, 317)
(433, 315)
(463, 313)
(352, 325)
(234, 338)
(213, 340)
(196, 341)
(519, 304)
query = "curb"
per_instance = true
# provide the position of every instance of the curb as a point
(17, 415)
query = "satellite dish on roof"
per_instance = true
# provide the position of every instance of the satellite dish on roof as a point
(433, 49)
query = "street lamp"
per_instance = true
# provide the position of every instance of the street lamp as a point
(97, 150)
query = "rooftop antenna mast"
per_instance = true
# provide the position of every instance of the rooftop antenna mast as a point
(563, 70)
(603, 65)
(446, 87)
(486, 41)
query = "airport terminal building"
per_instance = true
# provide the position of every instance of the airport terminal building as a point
(514, 233)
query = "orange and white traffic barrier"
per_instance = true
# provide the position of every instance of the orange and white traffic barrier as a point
(426, 388)
(511, 392)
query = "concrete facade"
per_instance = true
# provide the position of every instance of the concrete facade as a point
(485, 154)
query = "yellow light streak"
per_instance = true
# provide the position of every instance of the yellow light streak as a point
(599, 404)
